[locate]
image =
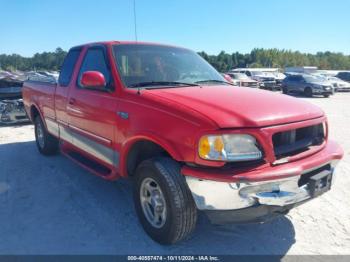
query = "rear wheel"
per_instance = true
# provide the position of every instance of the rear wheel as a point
(326, 95)
(308, 92)
(163, 202)
(46, 143)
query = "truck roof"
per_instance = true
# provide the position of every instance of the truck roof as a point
(116, 42)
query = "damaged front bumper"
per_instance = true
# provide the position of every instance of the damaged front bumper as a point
(249, 201)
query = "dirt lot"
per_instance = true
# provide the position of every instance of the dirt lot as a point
(52, 206)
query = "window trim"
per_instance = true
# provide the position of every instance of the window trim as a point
(79, 49)
(109, 88)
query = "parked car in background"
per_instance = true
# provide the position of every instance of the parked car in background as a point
(266, 80)
(345, 76)
(308, 85)
(241, 79)
(11, 103)
(279, 77)
(338, 84)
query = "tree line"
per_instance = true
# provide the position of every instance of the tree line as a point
(277, 58)
(223, 62)
(51, 61)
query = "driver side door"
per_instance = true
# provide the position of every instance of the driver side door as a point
(92, 113)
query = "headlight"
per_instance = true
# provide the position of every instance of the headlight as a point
(235, 147)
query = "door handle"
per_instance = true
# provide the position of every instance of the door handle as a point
(71, 101)
(123, 115)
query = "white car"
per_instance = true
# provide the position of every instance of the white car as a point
(240, 79)
(338, 84)
(266, 79)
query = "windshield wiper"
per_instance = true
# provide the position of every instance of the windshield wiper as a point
(161, 83)
(213, 81)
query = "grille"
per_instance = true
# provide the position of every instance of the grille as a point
(295, 141)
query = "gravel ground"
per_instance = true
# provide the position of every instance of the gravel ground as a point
(49, 205)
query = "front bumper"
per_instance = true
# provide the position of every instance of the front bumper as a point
(256, 198)
(322, 91)
(253, 214)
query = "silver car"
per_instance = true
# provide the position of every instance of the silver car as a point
(338, 84)
(308, 85)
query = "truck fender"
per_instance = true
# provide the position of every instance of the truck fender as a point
(39, 111)
(127, 145)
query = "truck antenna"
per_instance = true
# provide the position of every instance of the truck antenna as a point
(135, 20)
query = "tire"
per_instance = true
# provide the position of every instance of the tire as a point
(308, 92)
(46, 143)
(180, 215)
(326, 95)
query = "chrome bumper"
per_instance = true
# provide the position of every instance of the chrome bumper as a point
(214, 195)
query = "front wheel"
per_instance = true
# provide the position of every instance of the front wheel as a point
(308, 92)
(326, 95)
(46, 143)
(163, 201)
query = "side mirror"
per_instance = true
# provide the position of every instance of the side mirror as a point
(93, 79)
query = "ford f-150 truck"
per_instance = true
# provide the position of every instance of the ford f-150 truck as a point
(188, 140)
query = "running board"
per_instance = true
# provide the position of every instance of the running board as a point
(87, 163)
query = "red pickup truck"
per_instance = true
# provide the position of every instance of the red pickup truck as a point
(188, 140)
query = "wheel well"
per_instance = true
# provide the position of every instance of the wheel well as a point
(34, 113)
(141, 151)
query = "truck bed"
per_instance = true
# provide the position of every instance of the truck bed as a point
(41, 94)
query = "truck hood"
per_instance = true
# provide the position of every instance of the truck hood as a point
(231, 107)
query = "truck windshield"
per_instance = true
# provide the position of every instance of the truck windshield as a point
(154, 65)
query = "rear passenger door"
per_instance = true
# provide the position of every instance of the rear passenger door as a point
(92, 113)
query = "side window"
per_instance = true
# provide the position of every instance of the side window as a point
(95, 60)
(68, 67)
